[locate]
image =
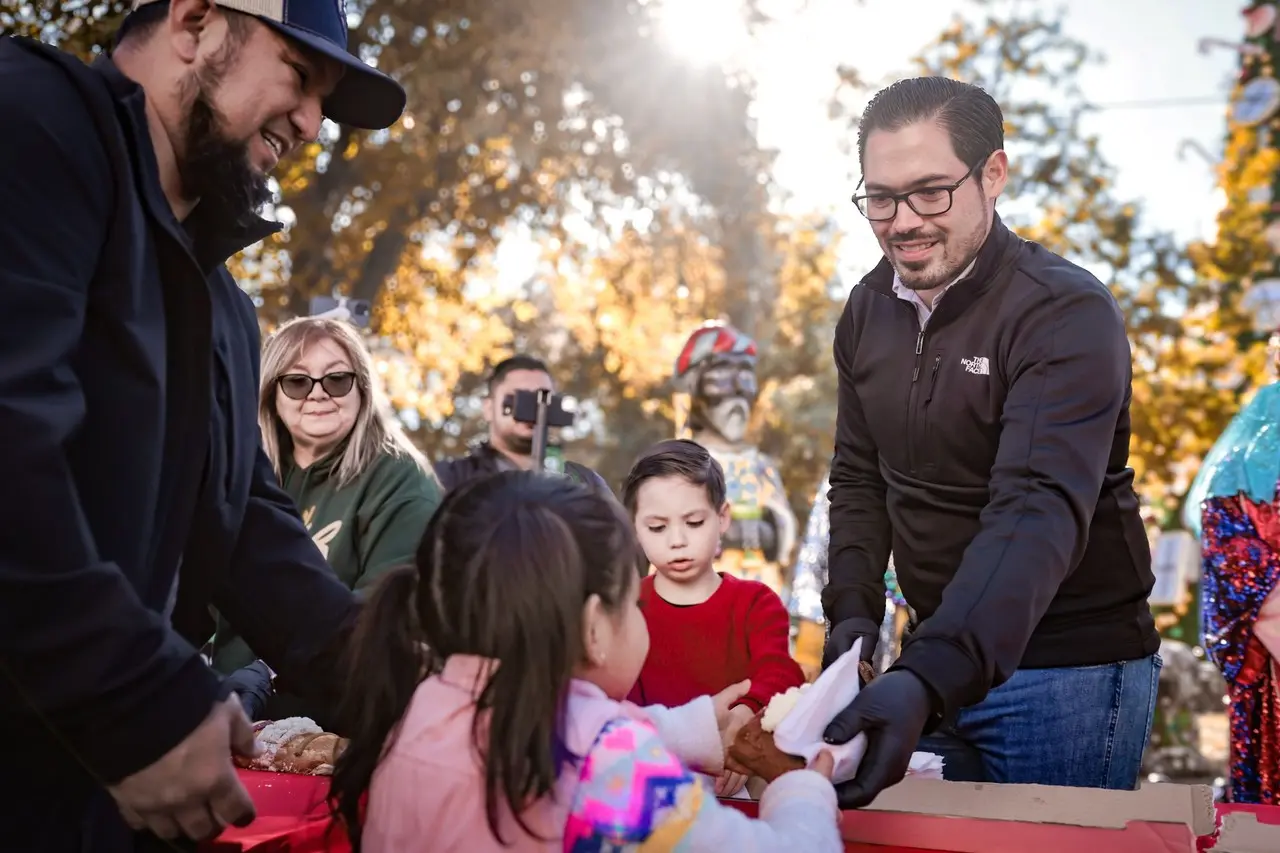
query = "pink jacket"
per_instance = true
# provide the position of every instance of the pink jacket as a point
(427, 795)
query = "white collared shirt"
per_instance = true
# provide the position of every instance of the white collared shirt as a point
(924, 310)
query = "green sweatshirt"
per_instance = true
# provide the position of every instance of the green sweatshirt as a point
(363, 529)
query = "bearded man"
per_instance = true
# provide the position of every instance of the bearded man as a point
(138, 495)
(982, 437)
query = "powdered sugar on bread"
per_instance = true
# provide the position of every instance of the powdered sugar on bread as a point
(779, 706)
(280, 732)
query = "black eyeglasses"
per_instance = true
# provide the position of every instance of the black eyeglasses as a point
(926, 201)
(297, 386)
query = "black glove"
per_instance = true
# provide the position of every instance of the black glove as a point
(892, 711)
(845, 634)
(252, 684)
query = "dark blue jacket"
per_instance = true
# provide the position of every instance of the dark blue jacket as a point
(128, 428)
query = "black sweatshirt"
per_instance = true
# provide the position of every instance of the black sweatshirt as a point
(989, 451)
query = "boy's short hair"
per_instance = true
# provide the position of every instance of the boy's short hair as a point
(677, 457)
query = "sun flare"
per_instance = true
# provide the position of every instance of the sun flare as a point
(707, 32)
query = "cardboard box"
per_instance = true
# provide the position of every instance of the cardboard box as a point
(1245, 829)
(915, 816)
(958, 817)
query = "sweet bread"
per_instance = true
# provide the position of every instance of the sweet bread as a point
(753, 747)
(295, 745)
(309, 755)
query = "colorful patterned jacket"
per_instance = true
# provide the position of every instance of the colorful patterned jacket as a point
(632, 791)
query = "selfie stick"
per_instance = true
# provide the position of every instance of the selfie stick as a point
(539, 450)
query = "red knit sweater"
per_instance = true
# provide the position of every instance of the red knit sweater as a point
(741, 631)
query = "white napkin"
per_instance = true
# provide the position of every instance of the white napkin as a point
(800, 732)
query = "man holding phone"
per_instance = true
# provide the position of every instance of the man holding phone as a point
(509, 446)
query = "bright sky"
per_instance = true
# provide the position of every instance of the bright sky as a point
(1151, 51)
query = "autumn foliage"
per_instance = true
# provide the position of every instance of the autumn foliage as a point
(635, 200)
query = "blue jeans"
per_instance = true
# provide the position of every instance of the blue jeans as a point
(1082, 726)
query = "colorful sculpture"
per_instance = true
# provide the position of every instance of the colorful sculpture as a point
(717, 371)
(1239, 523)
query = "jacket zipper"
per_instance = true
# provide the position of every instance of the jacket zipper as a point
(933, 379)
(911, 403)
(925, 435)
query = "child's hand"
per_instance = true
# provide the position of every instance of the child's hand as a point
(729, 783)
(753, 752)
(725, 700)
(738, 717)
(823, 763)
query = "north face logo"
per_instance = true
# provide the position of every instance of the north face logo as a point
(978, 365)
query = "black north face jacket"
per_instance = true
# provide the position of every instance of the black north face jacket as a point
(989, 450)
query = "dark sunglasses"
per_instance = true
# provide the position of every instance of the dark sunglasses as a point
(297, 386)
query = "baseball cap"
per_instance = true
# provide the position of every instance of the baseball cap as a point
(364, 97)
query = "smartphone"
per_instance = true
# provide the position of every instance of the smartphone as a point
(523, 407)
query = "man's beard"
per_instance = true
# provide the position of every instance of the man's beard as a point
(214, 168)
(936, 273)
(520, 445)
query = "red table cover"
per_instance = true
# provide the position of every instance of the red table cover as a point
(293, 818)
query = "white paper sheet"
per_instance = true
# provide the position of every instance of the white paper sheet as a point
(800, 732)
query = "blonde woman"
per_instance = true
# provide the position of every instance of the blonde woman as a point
(364, 492)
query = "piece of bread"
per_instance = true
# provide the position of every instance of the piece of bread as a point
(294, 745)
(753, 748)
(309, 755)
(866, 672)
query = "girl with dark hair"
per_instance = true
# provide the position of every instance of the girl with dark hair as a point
(486, 689)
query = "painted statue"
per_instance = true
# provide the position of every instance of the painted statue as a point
(717, 371)
(1239, 524)
(810, 576)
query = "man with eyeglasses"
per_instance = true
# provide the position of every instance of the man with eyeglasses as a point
(982, 436)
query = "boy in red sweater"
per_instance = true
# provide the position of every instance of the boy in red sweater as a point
(707, 630)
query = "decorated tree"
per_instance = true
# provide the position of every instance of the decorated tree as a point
(1238, 273)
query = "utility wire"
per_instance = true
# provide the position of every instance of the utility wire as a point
(1156, 103)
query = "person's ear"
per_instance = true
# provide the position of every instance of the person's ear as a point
(594, 634)
(726, 517)
(186, 25)
(995, 175)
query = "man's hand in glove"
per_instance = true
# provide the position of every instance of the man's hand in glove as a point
(253, 684)
(845, 634)
(892, 711)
